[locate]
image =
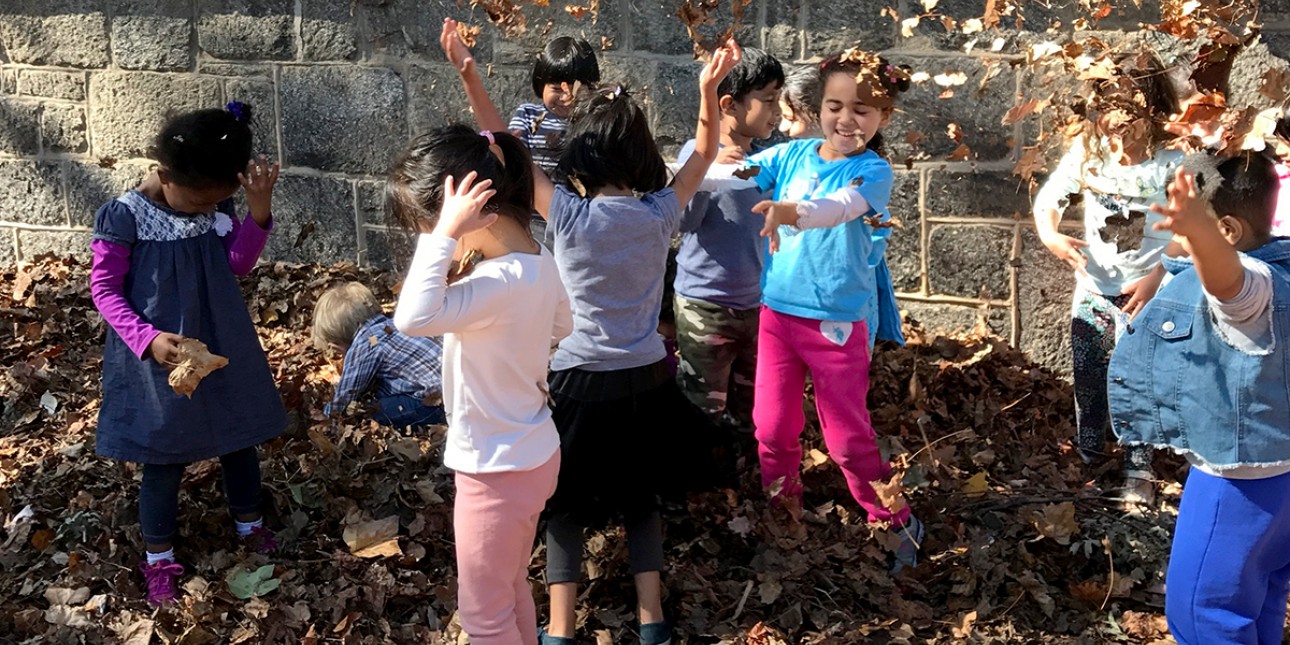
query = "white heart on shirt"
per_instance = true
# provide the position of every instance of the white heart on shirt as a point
(836, 332)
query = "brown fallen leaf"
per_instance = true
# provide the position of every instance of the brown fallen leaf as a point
(469, 34)
(747, 173)
(1056, 522)
(195, 363)
(374, 539)
(890, 492)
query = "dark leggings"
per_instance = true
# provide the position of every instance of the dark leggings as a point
(1093, 336)
(159, 492)
(564, 548)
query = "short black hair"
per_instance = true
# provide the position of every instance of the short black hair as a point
(1248, 191)
(565, 60)
(414, 187)
(205, 148)
(609, 144)
(756, 71)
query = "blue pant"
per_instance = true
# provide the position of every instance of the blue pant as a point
(1229, 572)
(159, 492)
(407, 411)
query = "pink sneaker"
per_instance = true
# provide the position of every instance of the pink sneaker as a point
(161, 577)
(261, 540)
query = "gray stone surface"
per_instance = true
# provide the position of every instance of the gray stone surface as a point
(8, 246)
(62, 128)
(1044, 288)
(552, 21)
(63, 244)
(410, 28)
(1247, 76)
(435, 96)
(31, 193)
(155, 43)
(386, 249)
(976, 194)
(371, 204)
(259, 95)
(969, 261)
(942, 318)
(70, 33)
(782, 38)
(54, 85)
(127, 109)
(831, 28)
(313, 220)
(327, 31)
(19, 127)
(216, 68)
(341, 118)
(904, 248)
(90, 186)
(247, 29)
(656, 28)
(977, 113)
(8, 81)
(675, 105)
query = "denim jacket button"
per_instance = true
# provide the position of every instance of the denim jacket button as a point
(1167, 326)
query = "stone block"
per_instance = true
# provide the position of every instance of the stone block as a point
(62, 128)
(1278, 42)
(8, 81)
(19, 127)
(1251, 64)
(958, 319)
(830, 29)
(1027, 23)
(977, 112)
(89, 186)
(385, 248)
(781, 35)
(215, 68)
(905, 246)
(259, 95)
(1273, 11)
(55, 85)
(345, 119)
(247, 29)
(327, 31)
(314, 221)
(409, 28)
(127, 109)
(31, 193)
(154, 43)
(8, 246)
(371, 204)
(62, 244)
(674, 100)
(1044, 290)
(68, 33)
(976, 193)
(552, 21)
(969, 261)
(657, 28)
(435, 96)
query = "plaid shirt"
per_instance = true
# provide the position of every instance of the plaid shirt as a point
(399, 364)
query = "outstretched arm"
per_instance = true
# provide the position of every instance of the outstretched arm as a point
(706, 136)
(459, 55)
(1190, 218)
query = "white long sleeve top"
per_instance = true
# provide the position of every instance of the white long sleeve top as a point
(499, 324)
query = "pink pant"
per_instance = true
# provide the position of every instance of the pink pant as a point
(495, 520)
(837, 354)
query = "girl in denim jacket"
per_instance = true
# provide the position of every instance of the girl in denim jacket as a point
(1201, 372)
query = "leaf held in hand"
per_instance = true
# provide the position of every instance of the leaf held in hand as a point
(747, 173)
(195, 363)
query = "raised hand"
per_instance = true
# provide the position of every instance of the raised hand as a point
(463, 206)
(258, 182)
(457, 52)
(1186, 213)
(723, 60)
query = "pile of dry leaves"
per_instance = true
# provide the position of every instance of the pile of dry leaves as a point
(1020, 547)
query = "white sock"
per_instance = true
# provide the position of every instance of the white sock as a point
(244, 528)
(153, 558)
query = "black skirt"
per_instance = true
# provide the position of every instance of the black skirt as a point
(626, 437)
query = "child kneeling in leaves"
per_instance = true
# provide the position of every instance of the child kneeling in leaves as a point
(403, 370)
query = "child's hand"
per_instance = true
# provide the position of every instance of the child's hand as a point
(1065, 248)
(258, 182)
(723, 60)
(456, 51)
(463, 207)
(1140, 292)
(777, 214)
(165, 349)
(730, 155)
(1186, 214)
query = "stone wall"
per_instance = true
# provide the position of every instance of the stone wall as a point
(339, 85)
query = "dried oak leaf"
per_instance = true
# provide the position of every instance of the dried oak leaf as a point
(747, 173)
(468, 34)
(195, 363)
(1056, 522)
(891, 494)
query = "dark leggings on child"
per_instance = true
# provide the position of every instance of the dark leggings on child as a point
(159, 492)
(564, 548)
(1093, 336)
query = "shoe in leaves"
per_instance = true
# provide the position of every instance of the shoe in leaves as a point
(261, 540)
(161, 579)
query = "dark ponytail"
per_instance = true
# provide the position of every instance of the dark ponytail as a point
(414, 188)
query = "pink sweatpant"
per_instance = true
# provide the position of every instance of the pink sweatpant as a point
(837, 354)
(495, 520)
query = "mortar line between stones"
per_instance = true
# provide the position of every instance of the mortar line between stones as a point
(361, 246)
(801, 30)
(109, 14)
(999, 222)
(13, 242)
(194, 45)
(950, 300)
(277, 116)
(1014, 283)
(924, 236)
(762, 27)
(297, 29)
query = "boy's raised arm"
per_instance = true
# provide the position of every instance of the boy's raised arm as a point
(1189, 217)
(459, 55)
(706, 136)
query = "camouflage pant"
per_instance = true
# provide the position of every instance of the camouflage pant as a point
(718, 348)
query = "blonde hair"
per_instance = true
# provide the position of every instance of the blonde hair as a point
(340, 311)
